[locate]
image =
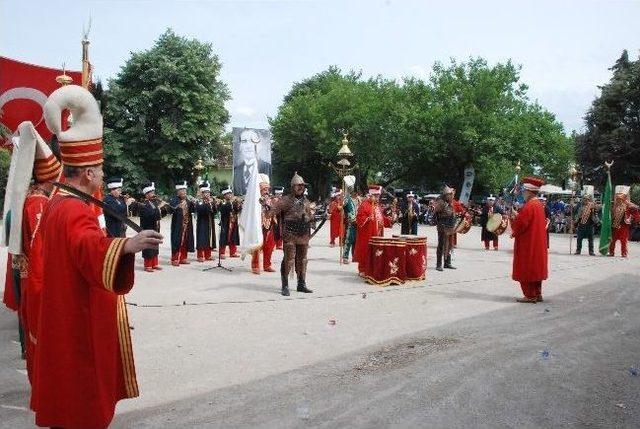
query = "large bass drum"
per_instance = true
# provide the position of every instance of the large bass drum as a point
(497, 223)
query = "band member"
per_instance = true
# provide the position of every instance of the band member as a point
(409, 215)
(350, 210)
(298, 214)
(229, 236)
(458, 209)
(32, 153)
(151, 211)
(586, 219)
(84, 361)
(277, 234)
(334, 214)
(445, 218)
(371, 223)
(622, 215)
(269, 224)
(115, 200)
(530, 247)
(487, 211)
(206, 210)
(182, 207)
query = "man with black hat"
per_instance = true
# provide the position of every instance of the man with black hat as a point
(446, 221)
(115, 200)
(298, 215)
(206, 209)
(151, 211)
(182, 206)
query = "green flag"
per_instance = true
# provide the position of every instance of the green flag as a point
(605, 230)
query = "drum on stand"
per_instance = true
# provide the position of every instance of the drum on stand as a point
(387, 261)
(416, 258)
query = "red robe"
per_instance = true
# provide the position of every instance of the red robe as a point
(31, 284)
(9, 296)
(370, 223)
(530, 247)
(335, 213)
(84, 362)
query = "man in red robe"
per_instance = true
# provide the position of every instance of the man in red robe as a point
(84, 362)
(46, 169)
(335, 217)
(530, 248)
(622, 215)
(9, 297)
(370, 222)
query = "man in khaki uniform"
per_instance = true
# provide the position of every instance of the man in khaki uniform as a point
(297, 213)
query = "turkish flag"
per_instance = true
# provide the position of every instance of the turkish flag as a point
(24, 88)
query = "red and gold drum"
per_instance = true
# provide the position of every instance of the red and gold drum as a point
(416, 258)
(387, 261)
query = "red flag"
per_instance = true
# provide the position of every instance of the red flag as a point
(24, 89)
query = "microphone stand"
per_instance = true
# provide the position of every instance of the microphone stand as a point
(219, 264)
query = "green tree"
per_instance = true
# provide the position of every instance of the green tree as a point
(421, 133)
(165, 110)
(612, 126)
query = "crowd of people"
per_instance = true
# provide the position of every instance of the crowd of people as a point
(67, 273)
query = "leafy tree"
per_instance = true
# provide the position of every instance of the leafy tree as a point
(165, 110)
(613, 126)
(420, 133)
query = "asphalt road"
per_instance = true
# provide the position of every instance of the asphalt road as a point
(566, 363)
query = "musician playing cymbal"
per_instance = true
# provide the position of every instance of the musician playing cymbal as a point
(181, 206)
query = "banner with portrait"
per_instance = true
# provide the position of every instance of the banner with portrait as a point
(250, 146)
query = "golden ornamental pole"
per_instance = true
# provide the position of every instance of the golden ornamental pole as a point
(86, 65)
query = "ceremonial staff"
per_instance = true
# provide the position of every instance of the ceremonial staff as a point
(575, 176)
(342, 169)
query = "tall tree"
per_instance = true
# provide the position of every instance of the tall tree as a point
(165, 110)
(612, 126)
(421, 133)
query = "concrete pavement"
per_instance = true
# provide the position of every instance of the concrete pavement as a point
(198, 333)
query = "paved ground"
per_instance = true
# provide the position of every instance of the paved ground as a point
(225, 349)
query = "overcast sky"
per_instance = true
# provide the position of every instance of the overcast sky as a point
(564, 47)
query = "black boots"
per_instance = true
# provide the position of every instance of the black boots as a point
(302, 287)
(439, 261)
(285, 285)
(447, 263)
